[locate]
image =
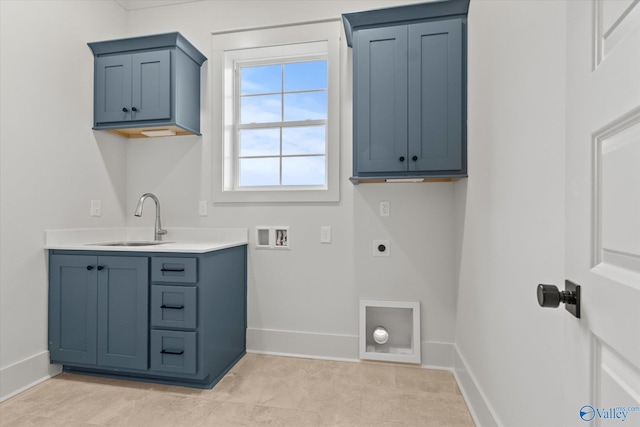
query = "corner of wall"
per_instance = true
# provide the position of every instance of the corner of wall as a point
(481, 411)
(20, 376)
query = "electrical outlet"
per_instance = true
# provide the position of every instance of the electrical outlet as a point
(384, 208)
(381, 248)
(96, 208)
(325, 234)
(203, 208)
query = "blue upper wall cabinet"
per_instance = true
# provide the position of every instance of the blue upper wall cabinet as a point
(132, 88)
(149, 83)
(409, 83)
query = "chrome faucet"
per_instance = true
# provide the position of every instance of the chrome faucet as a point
(157, 231)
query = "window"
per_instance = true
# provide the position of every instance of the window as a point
(279, 121)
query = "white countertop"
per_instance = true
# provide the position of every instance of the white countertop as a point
(184, 240)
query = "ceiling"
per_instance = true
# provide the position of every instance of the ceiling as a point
(145, 4)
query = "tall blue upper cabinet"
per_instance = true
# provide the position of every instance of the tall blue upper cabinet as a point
(409, 92)
(147, 86)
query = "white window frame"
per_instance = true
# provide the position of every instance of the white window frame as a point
(307, 40)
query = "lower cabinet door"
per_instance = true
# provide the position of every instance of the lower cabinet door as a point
(173, 351)
(72, 309)
(123, 312)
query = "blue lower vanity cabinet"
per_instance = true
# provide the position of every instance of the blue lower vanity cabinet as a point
(174, 318)
(98, 310)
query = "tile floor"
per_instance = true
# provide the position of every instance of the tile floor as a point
(259, 390)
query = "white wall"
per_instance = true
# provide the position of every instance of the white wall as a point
(51, 162)
(305, 301)
(513, 236)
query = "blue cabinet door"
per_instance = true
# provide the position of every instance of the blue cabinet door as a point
(435, 96)
(112, 97)
(151, 85)
(73, 302)
(133, 87)
(123, 301)
(380, 99)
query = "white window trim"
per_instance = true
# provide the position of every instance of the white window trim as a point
(223, 158)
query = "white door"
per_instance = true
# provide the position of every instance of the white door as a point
(602, 384)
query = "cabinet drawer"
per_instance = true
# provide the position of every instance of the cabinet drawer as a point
(174, 270)
(173, 306)
(173, 351)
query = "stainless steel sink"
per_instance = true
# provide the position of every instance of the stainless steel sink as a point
(130, 243)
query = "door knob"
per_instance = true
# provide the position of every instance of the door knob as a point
(551, 296)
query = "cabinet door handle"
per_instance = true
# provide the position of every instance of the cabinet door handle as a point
(178, 270)
(134, 109)
(172, 352)
(172, 307)
(125, 109)
(100, 267)
(89, 267)
(401, 158)
(414, 158)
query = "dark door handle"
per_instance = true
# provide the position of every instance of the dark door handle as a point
(89, 267)
(172, 307)
(134, 109)
(178, 270)
(414, 158)
(100, 267)
(172, 352)
(401, 158)
(551, 296)
(125, 110)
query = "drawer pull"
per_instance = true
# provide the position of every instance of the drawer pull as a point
(176, 270)
(172, 307)
(172, 352)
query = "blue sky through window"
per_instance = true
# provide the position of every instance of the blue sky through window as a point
(282, 129)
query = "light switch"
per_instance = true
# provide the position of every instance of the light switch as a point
(96, 208)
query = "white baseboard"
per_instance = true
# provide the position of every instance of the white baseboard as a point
(435, 355)
(22, 375)
(481, 411)
(31, 371)
(302, 344)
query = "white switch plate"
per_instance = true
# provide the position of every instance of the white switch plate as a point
(96, 208)
(384, 208)
(377, 248)
(203, 208)
(325, 234)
